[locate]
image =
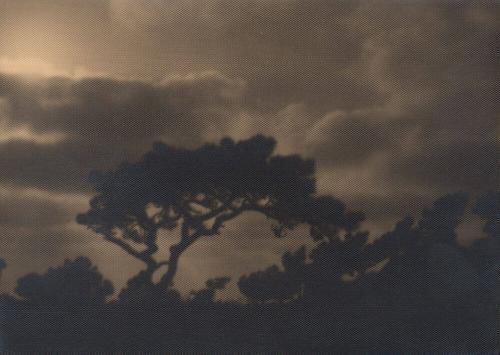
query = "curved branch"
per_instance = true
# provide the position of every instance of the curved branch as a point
(188, 239)
(141, 255)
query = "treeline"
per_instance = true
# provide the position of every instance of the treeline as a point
(412, 289)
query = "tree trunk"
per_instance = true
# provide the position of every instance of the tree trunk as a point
(176, 251)
(150, 270)
(167, 279)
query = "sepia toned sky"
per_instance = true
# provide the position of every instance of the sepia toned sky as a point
(396, 100)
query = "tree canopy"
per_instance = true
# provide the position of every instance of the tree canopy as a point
(199, 190)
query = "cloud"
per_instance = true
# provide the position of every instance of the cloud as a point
(104, 121)
(35, 68)
(10, 131)
(32, 213)
(157, 12)
(462, 165)
(26, 134)
(107, 107)
(356, 80)
(282, 48)
(351, 138)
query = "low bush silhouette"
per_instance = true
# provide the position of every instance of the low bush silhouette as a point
(207, 295)
(272, 284)
(76, 283)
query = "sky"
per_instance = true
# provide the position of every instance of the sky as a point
(396, 100)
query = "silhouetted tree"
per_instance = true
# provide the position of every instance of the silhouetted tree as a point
(426, 295)
(273, 284)
(141, 290)
(484, 253)
(75, 283)
(439, 223)
(420, 256)
(200, 190)
(294, 266)
(436, 286)
(488, 208)
(3, 265)
(207, 295)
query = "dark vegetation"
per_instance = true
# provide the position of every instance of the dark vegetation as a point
(413, 289)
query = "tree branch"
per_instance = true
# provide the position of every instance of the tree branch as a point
(141, 255)
(188, 239)
(213, 213)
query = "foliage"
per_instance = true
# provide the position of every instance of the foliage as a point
(75, 283)
(207, 295)
(273, 284)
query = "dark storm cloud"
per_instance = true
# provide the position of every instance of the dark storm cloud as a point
(469, 113)
(440, 64)
(122, 109)
(288, 51)
(431, 65)
(107, 121)
(299, 52)
(437, 63)
(459, 166)
(317, 52)
(53, 167)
